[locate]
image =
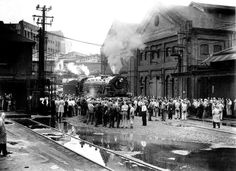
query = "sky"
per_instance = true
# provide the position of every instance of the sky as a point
(87, 20)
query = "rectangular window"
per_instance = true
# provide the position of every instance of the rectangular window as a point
(217, 48)
(141, 56)
(204, 49)
(145, 53)
(168, 51)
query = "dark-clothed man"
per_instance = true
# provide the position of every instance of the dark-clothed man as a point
(90, 113)
(171, 109)
(144, 114)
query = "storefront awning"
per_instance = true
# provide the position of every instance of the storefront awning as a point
(225, 55)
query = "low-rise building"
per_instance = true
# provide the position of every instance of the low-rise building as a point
(15, 67)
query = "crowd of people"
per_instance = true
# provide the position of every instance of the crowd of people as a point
(7, 102)
(119, 112)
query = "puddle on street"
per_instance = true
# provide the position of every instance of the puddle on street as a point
(164, 154)
(8, 122)
(69, 139)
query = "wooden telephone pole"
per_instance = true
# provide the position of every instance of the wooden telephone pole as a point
(41, 20)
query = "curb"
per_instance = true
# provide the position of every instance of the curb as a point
(223, 122)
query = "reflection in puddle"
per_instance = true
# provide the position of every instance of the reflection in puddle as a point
(170, 155)
(181, 152)
(69, 139)
(12, 142)
(85, 150)
(8, 123)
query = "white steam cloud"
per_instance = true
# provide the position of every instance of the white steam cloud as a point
(59, 66)
(120, 43)
(78, 69)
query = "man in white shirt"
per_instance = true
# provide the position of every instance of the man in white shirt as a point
(124, 111)
(216, 116)
(144, 114)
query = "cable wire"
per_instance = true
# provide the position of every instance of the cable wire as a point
(80, 41)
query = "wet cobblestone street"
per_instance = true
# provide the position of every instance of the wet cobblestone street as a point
(183, 131)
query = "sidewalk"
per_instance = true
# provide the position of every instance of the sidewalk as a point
(31, 151)
(226, 121)
(14, 114)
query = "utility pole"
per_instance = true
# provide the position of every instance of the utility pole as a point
(41, 20)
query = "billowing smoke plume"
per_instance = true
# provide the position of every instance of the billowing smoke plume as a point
(59, 66)
(78, 69)
(84, 69)
(120, 43)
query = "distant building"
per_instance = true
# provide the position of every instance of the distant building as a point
(54, 43)
(80, 64)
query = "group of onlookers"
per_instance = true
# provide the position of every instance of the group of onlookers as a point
(7, 102)
(120, 112)
(112, 112)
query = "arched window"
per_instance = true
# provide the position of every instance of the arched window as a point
(204, 49)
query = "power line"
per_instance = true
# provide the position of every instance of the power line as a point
(85, 42)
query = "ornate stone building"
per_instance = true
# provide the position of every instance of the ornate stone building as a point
(177, 42)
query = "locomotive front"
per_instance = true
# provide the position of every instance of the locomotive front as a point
(105, 86)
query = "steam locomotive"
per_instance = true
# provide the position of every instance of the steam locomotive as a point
(100, 86)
